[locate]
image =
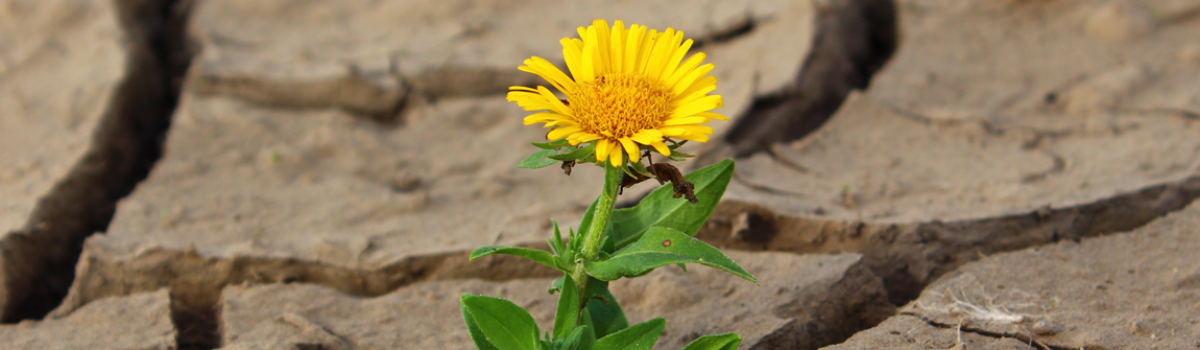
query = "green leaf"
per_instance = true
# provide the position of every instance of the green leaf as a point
(660, 208)
(603, 310)
(728, 341)
(539, 256)
(661, 246)
(552, 144)
(591, 158)
(637, 166)
(504, 324)
(640, 336)
(557, 243)
(539, 159)
(680, 156)
(572, 341)
(481, 342)
(568, 309)
(589, 335)
(575, 154)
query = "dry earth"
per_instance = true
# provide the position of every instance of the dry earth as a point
(1137, 290)
(140, 321)
(329, 164)
(255, 186)
(998, 125)
(804, 300)
(84, 100)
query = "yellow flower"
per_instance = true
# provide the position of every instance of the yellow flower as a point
(627, 87)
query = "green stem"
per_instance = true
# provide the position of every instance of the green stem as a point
(604, 209)
(594, 236)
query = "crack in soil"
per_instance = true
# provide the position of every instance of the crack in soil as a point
(196, 281)
(736, 30)
(127, 143)
(855, 38)
(359, 95)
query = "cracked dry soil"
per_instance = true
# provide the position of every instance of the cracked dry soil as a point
(911, 137)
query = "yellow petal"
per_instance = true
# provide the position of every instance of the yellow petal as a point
(687, 67)
(644, 51)
(602, 148)
(662, 52)
(680, 132)
(691, 129)
(683, 133)
(579, 138)
(686, 81)
(633, 42)
(548, 71)
(647, 136)
(587, 66)
(539, 73)
(559, 107)
(693, 137)
(561, 132)
(548, 67)
(635, 153)
(703, 104)
(673, 62)
(682, 100)
(603, 56)
(685, 121)
(617, 46)
(711, 115)
(661, 148)
(529, 101)
(560, 123)
(615, 155)
(545, 117)
(703, 83)
(573, 56)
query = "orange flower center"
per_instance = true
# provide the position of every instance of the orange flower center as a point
(618, 105)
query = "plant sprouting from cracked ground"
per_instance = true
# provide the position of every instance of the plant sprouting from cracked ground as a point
(630, 93)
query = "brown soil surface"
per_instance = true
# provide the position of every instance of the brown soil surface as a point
(804, 301)
(331, 164)
(998, 125)
(140, 321)
(1137, 290)
(86, 96)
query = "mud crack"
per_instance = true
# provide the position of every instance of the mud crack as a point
(41, 258)
(855, 38)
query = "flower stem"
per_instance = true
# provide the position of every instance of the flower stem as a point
(594, 236)
(604, 209)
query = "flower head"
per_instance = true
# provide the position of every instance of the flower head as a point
(628, 88)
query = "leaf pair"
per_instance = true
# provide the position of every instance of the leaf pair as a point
(672, 220)
(558, 151)
(498, 324)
